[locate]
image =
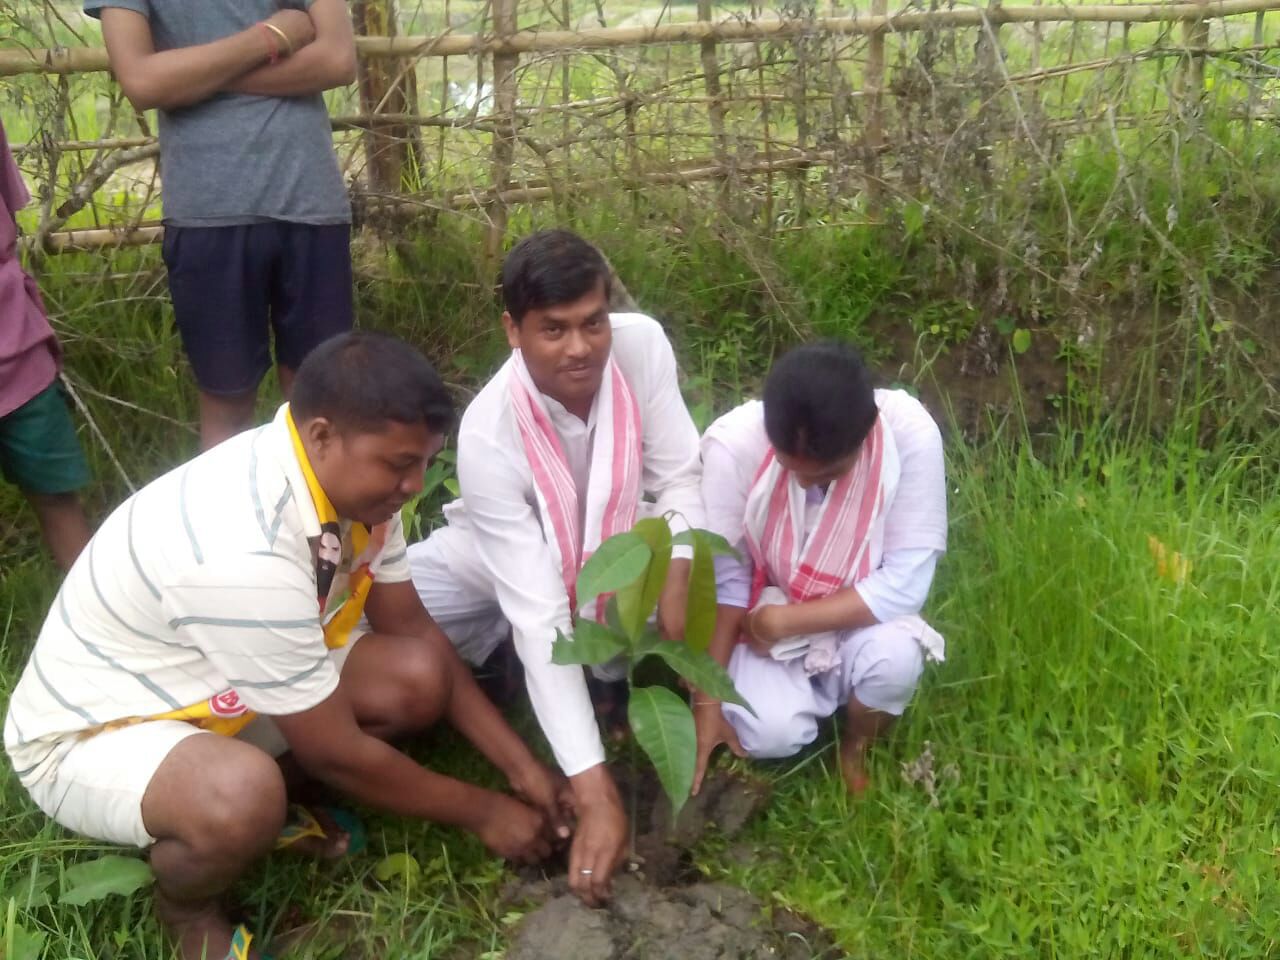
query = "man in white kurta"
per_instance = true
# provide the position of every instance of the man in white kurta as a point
(862, 644)
(500, 568)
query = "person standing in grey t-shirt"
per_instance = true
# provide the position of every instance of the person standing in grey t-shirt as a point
(257, 220)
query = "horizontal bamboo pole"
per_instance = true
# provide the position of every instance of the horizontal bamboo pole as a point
(67, 241)
(693, 171)
(702, 170)
(93, 59)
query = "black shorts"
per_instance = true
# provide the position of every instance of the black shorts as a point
(232, 287)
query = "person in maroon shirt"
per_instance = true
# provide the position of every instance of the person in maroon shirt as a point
(39, 450)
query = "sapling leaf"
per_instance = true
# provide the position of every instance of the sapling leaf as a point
(700, 614)
(700, 669)
(619, 560)
(663, 726)
(638, 600)
(591, 644)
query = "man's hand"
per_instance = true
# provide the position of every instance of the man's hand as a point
(600, 840)
(547, 791)
(673, 604)
(514, 831)
(713, 729)
(296, 25)
(767, 625)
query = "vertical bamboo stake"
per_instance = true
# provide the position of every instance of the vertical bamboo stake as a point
(1037, 36)
(566, 88)
(444, 89)
(987, 51)
(839, 110)
(874, 86)
(801, 88)
(711, 81)
(505, 13)
(387, 86)
(769, 218)
(1251, 106)
(1195, 34)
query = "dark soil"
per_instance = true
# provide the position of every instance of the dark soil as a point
(702, 921)
(662, 906)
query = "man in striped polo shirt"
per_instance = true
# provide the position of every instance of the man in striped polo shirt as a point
(261, 592)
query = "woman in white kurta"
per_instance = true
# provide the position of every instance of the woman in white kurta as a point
(834, 495)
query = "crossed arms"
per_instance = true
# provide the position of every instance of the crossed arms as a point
(323, 56)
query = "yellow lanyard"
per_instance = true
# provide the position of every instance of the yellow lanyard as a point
(338, 629)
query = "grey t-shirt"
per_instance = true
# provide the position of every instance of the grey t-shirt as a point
(235, 158)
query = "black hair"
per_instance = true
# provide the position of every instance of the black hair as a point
(819, 402)
(361, 380)
(551, 267)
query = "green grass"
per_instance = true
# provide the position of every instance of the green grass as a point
(1114, 736)
(1114, 733)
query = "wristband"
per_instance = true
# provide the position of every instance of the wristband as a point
(273, 44)
(284, 37)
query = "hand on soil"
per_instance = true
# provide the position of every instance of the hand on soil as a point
(712, 729)
(515, 831)
(544, 789)
(599, 844)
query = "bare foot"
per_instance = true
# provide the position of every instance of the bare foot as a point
(853, 765)
(202, 930)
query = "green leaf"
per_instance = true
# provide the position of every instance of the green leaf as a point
(1021, 340)
(720, 547)
(98, 879)
(913, 214)
(700, 612)
(612, 618)
(31, 891)
(638, 600)
(591, 644)
(21, 944)
(620, 560)
(700, 669)
(398, 865)
(663, 726)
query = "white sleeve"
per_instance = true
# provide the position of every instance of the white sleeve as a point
(899, 586)
(917, 517)
(257, 620)
(672, 464)
(532, 596)
(725, 486)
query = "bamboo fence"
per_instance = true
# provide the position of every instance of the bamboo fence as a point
(784, 116)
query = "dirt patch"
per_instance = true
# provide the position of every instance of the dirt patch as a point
(663, 851)
(662, 907)
(702, 921)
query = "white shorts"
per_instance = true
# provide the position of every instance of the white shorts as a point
(97, 788)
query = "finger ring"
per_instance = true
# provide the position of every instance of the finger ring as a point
(586, 873)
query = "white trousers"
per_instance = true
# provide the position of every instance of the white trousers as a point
(880, 665)
(458, 592)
